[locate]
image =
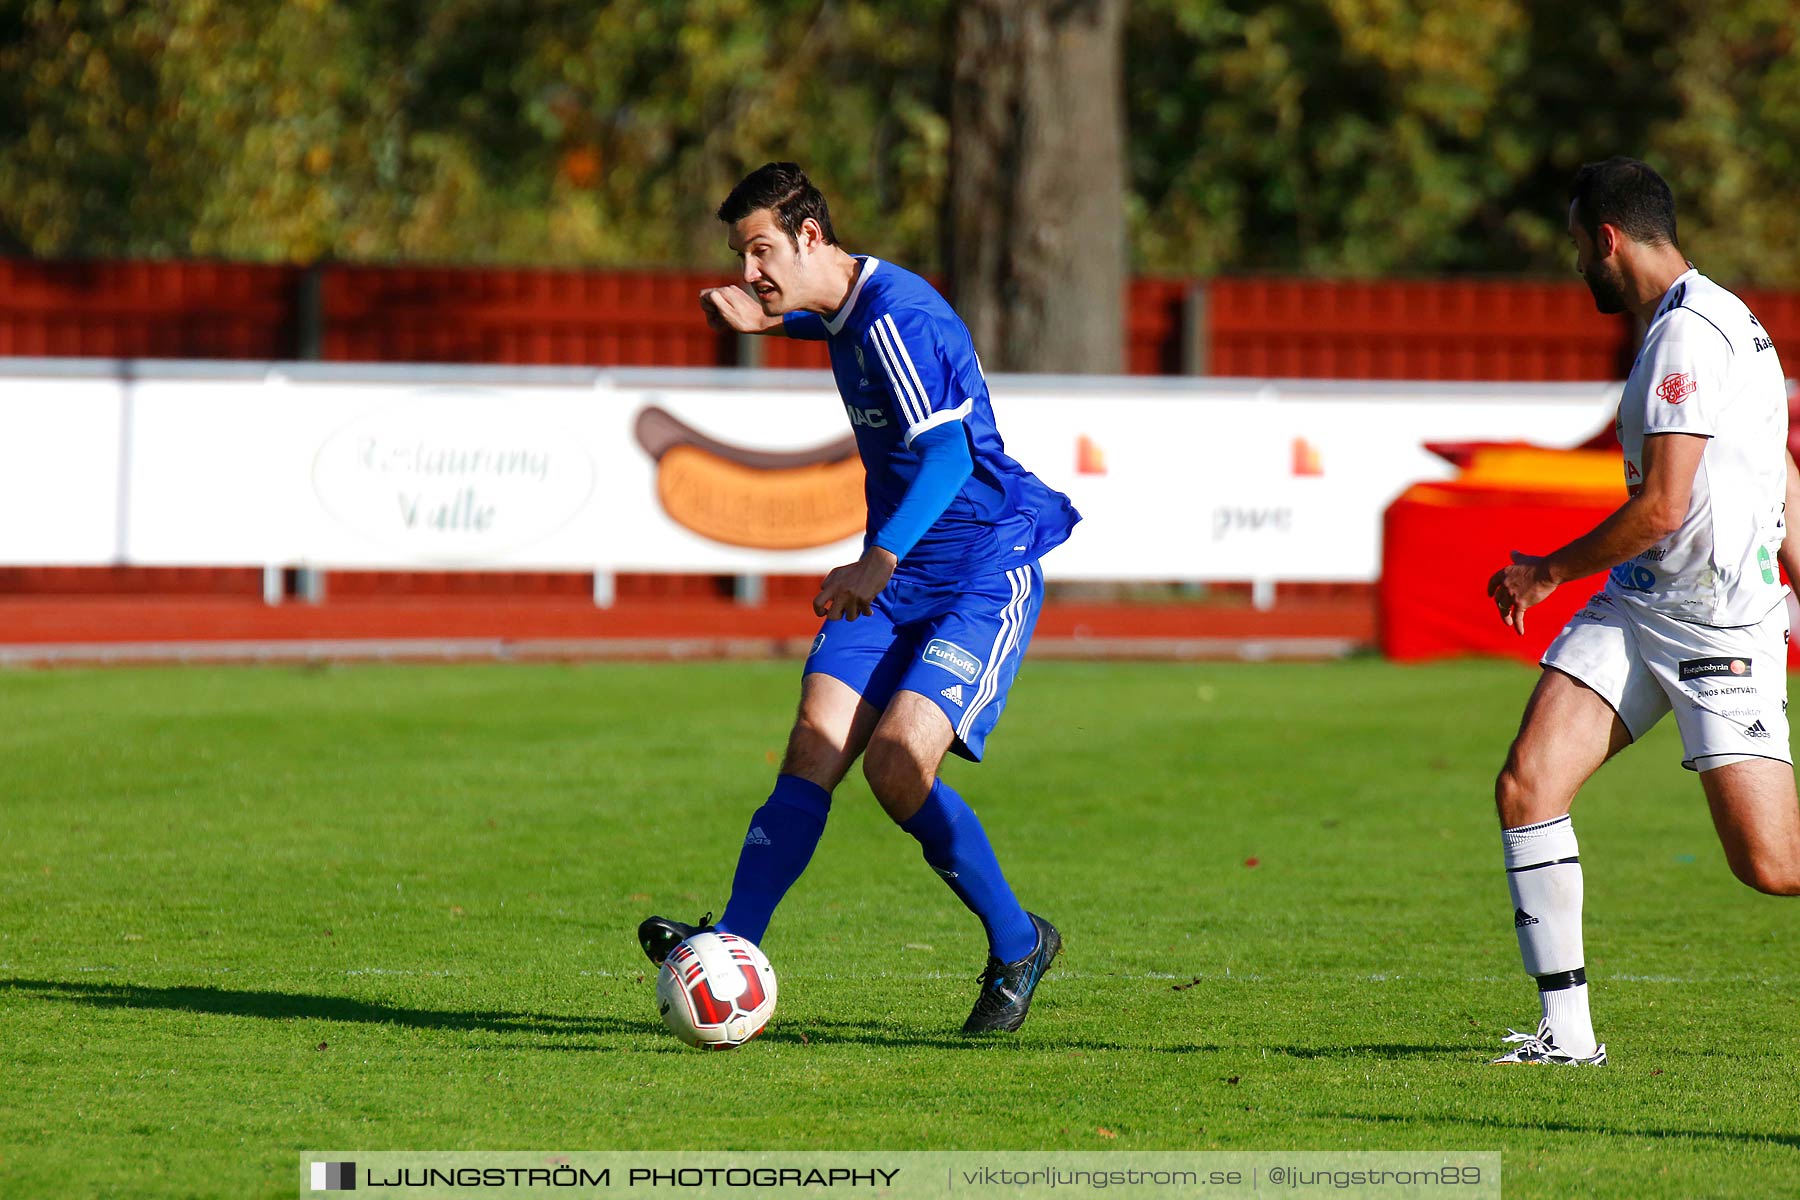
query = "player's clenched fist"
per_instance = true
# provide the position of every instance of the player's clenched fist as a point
(731, 309)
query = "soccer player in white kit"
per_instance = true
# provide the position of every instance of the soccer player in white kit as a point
(1693, 615)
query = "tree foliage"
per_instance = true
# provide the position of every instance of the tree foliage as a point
(526, 131)
(1415, 136)
(1334, 136)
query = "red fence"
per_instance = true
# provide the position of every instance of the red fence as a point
(405, 314)
(1292, 328)
(149, 310)
(1412, 330)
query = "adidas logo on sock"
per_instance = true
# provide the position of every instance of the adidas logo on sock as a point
(953, 694)
(1756, 730)
(756, 837)
(1521, 918)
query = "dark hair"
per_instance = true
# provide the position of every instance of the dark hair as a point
(1627, 194)
(783, 189)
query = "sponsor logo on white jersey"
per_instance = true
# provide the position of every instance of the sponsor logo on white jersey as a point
(1702, 668)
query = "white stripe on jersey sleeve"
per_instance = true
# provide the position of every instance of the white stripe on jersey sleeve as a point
(940, 418)
(906, 358)
(912, 404)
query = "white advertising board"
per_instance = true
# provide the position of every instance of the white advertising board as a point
(60, 472)
(717, 472)
(1285, 484)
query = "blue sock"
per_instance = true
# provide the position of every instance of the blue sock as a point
(783, 833)
(956, 847)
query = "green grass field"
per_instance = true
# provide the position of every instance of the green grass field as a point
(247, 912)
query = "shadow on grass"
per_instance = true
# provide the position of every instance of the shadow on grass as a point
(1725, 1136)
(287, 1006)
(864, 1033)
(1394, 1050)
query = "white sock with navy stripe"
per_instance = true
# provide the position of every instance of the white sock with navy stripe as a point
(1543, 872)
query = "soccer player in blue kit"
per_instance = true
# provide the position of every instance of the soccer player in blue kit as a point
(922, 635)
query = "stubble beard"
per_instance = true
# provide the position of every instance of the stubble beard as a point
(1608, 289)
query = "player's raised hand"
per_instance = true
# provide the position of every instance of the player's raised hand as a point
(732, 309)
(1520, 586)
(849, 592)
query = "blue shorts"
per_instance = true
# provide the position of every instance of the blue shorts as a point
(958, 646)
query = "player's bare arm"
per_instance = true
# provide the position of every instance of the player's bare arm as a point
(1651, 514)
(1790, 545)
(849, 591)
(733, 310)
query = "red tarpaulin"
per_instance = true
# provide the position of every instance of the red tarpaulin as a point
(1442, 541)
(1440, 544)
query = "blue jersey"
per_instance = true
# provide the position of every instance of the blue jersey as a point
(904, 363)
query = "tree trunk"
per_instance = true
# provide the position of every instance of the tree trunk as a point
(1036, 231)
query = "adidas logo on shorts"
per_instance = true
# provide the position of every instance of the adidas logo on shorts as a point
(953, 694)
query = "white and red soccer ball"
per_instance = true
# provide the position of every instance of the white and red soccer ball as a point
(716, 991)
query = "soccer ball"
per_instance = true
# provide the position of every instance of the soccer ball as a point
(716, 991)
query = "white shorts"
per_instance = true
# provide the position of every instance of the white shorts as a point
(1728, 687)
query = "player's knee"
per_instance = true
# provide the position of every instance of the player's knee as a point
(1524, 795)
(896, 776)
(1770, 878)
(1512, 796)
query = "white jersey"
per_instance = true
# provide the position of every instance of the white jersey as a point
(1708, 368)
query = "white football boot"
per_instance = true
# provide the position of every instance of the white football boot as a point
(1540, 1049)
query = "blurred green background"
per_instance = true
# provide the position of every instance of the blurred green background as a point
(1366, 137)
